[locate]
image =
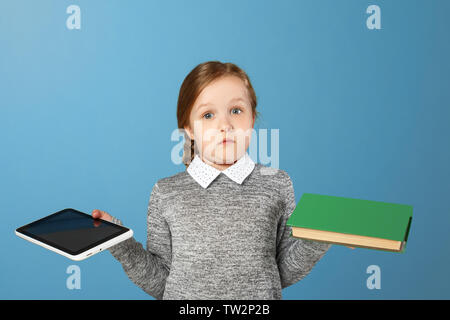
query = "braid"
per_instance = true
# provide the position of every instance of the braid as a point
(188, 150)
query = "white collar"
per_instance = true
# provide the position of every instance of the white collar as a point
(204, 173)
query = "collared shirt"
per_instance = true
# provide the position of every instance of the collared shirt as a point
(204, 173)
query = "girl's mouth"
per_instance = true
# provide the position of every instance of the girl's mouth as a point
(227, 141)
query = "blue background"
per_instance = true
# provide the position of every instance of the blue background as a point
(86, 117)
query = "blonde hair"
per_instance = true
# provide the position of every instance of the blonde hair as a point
(200, 77)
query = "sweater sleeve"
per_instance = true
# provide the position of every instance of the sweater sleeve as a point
(295, 257)
(149, 268)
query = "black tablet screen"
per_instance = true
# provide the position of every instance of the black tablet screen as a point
(72, 231)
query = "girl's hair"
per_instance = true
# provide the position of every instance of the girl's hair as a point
(200, 77)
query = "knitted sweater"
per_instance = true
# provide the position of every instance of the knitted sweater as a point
(228, 241)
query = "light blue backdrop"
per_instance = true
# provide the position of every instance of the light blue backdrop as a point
(86, 117)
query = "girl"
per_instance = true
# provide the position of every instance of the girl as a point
(218, 229)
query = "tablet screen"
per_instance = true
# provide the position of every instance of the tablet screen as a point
(72, 231)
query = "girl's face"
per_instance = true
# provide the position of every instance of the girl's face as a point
(222, 111)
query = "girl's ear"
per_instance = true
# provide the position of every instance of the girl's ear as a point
(189, 132)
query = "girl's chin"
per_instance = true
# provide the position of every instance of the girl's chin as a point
(226, 157)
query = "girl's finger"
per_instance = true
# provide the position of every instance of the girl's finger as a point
(96, 214)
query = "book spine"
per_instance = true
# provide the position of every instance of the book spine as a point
(407, 229)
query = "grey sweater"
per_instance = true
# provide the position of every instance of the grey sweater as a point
(229, 241)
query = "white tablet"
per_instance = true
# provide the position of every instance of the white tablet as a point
(74, 234)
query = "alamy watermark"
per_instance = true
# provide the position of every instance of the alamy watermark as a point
(374, 20)
(258, 149)
(74, 280)
(74, 20)
(374, 280)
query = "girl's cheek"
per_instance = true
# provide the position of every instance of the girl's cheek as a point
(204, 141)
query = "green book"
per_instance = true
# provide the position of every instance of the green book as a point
(353, 222)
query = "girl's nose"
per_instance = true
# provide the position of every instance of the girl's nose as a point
(225, 125)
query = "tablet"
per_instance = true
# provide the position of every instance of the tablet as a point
(74, 234)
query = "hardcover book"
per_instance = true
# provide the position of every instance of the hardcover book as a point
(352, 222)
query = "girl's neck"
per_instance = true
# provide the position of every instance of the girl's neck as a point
(218, 166)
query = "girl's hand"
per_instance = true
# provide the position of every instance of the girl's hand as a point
(350, 247)
(99, 214)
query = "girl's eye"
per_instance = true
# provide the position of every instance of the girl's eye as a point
(206, 115)
(238, 109)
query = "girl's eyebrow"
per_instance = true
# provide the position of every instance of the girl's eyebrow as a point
(208, 103)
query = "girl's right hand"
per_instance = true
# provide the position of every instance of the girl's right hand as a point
(99, 214)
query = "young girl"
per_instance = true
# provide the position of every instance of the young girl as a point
(218, 229)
